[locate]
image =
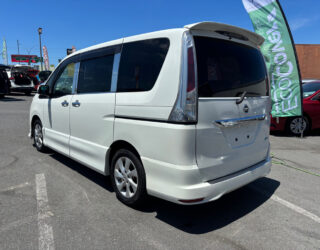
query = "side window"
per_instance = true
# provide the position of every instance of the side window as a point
(141, 63)
(95, 75)
(63, 85)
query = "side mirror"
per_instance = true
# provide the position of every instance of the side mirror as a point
(43, 90)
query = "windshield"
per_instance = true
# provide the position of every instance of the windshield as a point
(310, 88)
(227, 69)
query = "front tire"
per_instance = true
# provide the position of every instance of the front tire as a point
(128, 178)
(38, 136)
(295, 127)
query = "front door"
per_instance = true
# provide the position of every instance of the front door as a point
(57, 109)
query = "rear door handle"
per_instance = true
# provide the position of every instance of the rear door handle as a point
(76, 104)
(65, 104)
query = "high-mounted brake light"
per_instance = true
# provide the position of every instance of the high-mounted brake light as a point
(185, 108)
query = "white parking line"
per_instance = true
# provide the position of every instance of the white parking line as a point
(290, 205)
(45, 229)
(299, 210)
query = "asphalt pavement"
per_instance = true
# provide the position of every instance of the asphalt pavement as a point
(49, 201)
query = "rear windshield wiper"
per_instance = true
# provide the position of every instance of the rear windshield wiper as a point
(238, 101)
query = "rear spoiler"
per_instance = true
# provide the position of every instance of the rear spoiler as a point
(228, 30)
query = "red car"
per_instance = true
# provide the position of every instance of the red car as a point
(311, 112)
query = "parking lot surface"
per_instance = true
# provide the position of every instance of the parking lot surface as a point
(48, 201)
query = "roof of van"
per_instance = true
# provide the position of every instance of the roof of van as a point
(206, 26)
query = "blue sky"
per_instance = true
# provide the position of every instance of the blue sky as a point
(83, 23)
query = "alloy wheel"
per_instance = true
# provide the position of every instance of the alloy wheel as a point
(38, 137)
(298, 125)
(126, 177)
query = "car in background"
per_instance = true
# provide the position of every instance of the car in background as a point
(311, 113)
(33, 74)
(22, 79)
(43, 76)
(309, 80)
(4, 81)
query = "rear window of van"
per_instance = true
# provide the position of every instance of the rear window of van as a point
(140, 64)
(227, 69)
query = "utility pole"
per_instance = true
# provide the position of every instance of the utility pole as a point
(18, 47)
(40, 32)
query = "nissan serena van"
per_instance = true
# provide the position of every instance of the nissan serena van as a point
(180, 114)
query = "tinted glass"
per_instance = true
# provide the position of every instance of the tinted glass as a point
(227, 69)
(95, 75)
(310, 88)
(63, 85)
(141, 63)
(43, 75)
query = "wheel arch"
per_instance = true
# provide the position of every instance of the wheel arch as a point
(34, 118)
(115, 146)
(309, 119)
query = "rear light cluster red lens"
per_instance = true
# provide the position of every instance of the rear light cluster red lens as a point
(191, 74)
(185, 107)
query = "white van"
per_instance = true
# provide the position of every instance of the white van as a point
(180, 114)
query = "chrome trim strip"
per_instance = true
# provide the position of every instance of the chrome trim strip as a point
(115, 70)
(236, 121)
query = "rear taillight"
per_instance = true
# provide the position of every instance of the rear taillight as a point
(11, 78)
(191, 73)
(185, 108)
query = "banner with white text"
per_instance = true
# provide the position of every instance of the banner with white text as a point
(278, 49)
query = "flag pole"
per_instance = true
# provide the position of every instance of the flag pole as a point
(297, 62)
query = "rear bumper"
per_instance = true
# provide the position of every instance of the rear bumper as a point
(175, 191)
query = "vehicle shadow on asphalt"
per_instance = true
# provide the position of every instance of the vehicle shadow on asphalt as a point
(197, 219)
(314, 132)
(200, 219)
(10, 99)
(100, 179)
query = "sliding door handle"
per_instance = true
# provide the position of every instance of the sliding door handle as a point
(76, 104)
(65, 104)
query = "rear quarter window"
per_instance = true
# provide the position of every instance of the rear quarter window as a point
(141, 63)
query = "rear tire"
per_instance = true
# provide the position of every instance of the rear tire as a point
(293, 126)
(1, 96)
(128, 178)
(38, 136)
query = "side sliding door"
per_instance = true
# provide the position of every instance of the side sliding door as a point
(92, 107)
